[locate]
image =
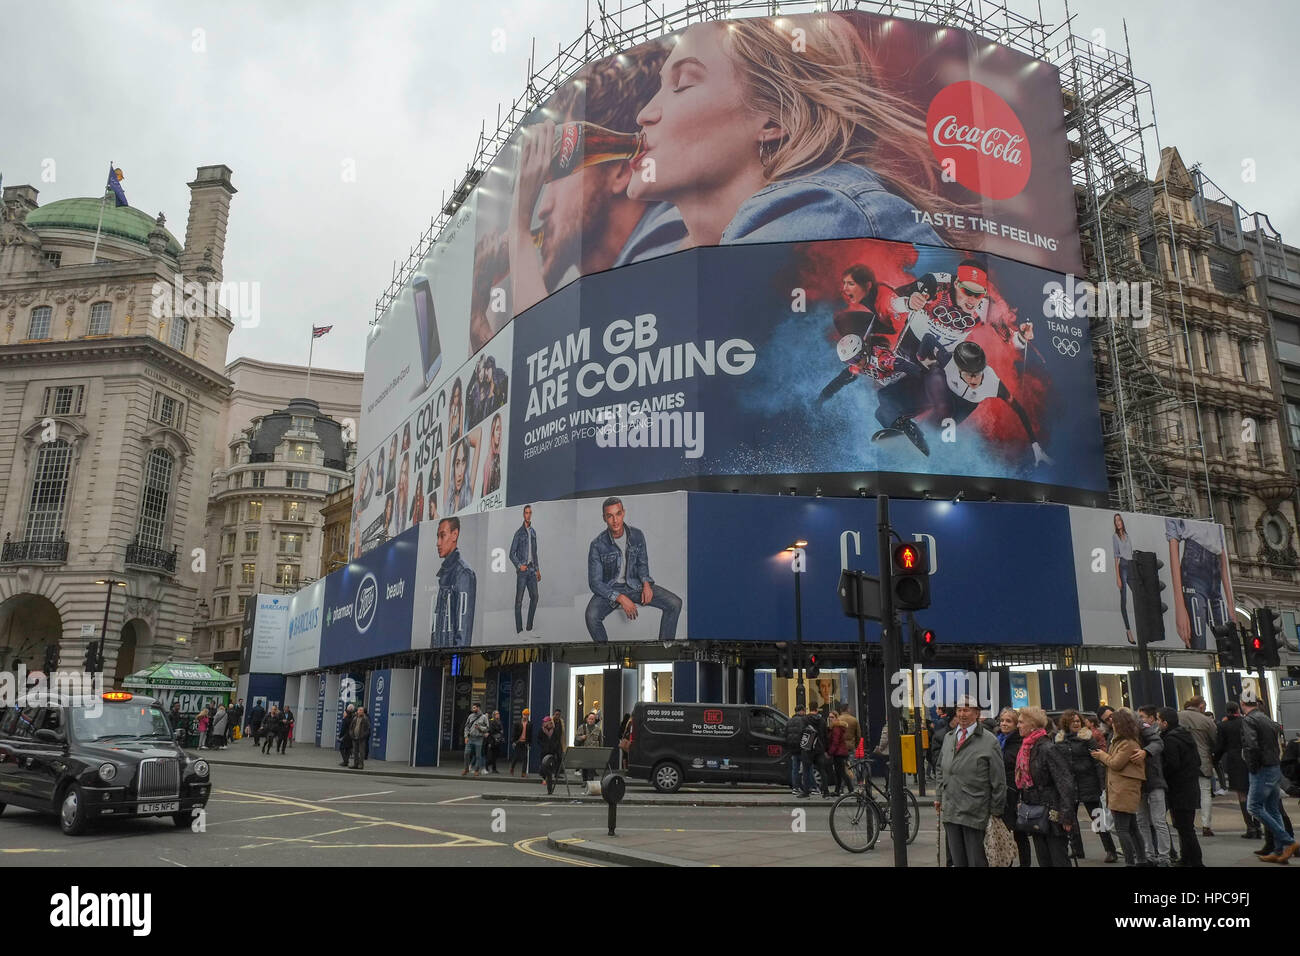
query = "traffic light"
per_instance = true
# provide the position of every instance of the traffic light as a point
(929, 645)
(784, 669)
(51, 658)
(813, 669)
(1263, 644)
(92, 663)
(1227, 640)
(1149, 609)
(911, 577)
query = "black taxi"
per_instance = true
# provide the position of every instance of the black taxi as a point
(90, 758)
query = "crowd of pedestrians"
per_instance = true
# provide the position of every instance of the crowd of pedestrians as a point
(1137, 779)
(820, 744)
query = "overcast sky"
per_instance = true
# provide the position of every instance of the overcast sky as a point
(288, 93)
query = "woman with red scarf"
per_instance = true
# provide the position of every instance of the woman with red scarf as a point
(1044, 780)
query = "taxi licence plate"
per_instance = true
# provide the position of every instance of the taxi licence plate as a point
(172, 807)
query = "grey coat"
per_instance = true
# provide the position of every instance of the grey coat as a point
(1154, 745)
(1205, 734)
(973, 782)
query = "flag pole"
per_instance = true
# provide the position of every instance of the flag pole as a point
(309, 351)
(94, 253)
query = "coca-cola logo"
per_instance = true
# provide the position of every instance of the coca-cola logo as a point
(569, 140)
(977, 137)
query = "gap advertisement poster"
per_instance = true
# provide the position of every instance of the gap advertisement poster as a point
(723, 367)
(735, 133)
(1195, 573)
(555, 572)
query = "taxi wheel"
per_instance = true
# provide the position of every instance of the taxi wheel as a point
(666, 777)
(2, 809)
(183, 820)
(72, 811)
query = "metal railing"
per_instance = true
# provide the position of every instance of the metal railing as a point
(145, 557)
(48, 551)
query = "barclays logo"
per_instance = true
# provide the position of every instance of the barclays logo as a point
(366, 604)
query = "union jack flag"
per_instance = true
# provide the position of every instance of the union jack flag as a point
(318, 330)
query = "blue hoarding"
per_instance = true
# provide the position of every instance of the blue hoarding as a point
(368, 603)
(1003, 573)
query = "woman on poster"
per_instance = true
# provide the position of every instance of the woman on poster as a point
(460, 489)
(757, 138)
(1122, 552)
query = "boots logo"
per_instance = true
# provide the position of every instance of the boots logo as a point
(976, 135)
(367, 602)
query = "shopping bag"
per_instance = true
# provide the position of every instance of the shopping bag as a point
(999, 844)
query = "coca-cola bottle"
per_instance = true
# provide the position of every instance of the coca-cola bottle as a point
(579, 145)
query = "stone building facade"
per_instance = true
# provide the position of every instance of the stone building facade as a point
(108, 399)
(281, 457)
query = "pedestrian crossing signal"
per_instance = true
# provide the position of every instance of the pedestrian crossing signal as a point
(911, 577)
(929, 645)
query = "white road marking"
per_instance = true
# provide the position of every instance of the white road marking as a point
(472, 796)
(353, 796)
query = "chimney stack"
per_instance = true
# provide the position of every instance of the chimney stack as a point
(206, 227)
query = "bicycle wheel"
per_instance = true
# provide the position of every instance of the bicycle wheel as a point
(855, 823)
(913, 815)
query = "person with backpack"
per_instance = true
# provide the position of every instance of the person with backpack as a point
(812, 743)
(794, 728)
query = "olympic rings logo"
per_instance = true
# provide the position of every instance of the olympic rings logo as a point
(1066, 346)
(953, 319)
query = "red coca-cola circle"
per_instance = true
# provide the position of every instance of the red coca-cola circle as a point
(981, 138)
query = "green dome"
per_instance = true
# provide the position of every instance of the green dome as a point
(83, 214)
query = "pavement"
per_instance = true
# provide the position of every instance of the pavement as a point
(804, 843)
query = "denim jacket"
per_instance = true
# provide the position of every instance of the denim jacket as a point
(843, 201)
(519, 549)
(453, 620)
(602, 563)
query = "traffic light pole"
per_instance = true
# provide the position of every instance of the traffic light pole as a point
(103, 631)
(918, 710)
(891, 644)
(800, 695)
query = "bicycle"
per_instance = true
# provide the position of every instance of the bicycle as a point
(858, 817)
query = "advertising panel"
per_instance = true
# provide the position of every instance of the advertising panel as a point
(1001, 573)
(828, 359)
(762, 130)
(449, 457)
(1198, 587)
(564, 572)
(306, 619)
(270, 634)
(368, 603)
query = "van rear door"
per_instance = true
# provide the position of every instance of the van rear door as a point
(765, 746)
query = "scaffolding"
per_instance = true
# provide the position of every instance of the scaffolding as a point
(1150, 410)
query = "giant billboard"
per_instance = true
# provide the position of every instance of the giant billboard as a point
(723, 368)
(793, 129)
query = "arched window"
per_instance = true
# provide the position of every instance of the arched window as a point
(180, 331)
(39, 328)
(155, 499)
(101, 314)
(49, 491)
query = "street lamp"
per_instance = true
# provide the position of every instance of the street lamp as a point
(797, 564)
(103, 632)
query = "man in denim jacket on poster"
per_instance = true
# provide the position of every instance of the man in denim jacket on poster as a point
(618, 573)
(528, 569)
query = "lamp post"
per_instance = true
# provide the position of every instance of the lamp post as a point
(798, 563)
(103, 632)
